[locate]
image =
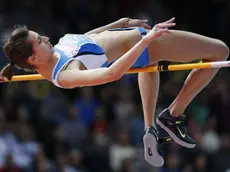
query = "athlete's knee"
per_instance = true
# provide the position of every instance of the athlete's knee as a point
(222, 51)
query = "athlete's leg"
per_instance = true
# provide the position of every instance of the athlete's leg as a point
(149, 87)
(183, 46)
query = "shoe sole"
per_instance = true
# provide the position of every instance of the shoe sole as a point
(150, 142)
(174, 137)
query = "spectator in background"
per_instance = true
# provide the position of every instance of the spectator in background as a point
(121, 150)
(201, 164)
(100, 123)
(72, 130)
(62, 163)
(76, 160)
(127, 165)
(221, 161)
(86, 105)
(40, 163)
(173, 163)
(137, 125)
(10, 165)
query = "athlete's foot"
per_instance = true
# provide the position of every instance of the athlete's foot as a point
(163, 136)
(175, 127)
(151, 153)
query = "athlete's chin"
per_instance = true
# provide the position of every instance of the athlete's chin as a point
(52, 53)
(52, 49)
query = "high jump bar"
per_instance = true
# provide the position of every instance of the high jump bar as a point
(160, 68)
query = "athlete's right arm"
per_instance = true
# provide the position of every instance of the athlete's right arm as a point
(123, 22)
(74, 78)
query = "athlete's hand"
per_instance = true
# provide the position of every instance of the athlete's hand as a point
(128, 22)
(159, 29)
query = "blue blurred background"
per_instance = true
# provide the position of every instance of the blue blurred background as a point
(100, 129)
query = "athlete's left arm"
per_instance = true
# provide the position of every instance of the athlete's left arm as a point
(121, 23)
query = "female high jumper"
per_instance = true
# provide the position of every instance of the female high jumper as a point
(107, 53)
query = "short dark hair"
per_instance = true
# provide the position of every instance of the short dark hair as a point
(17, 48)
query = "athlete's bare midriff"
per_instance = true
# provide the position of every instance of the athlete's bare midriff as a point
(114, 44)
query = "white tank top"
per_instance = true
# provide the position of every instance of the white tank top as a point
(74, 46)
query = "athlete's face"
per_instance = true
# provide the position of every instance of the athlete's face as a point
(42, 49)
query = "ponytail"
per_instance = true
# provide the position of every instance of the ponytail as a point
(7, 71)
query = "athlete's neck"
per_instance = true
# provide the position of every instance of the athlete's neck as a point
(46, 69)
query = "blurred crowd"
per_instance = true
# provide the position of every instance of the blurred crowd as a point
(100, 129)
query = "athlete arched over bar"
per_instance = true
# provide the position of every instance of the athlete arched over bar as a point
(105, 54)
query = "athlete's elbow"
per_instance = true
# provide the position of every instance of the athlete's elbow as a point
(66, 82)
(113, 76)
(67, 85)
(116, 77)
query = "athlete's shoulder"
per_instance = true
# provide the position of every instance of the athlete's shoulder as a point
(77, 38)
(68, 45)
(73, 36)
